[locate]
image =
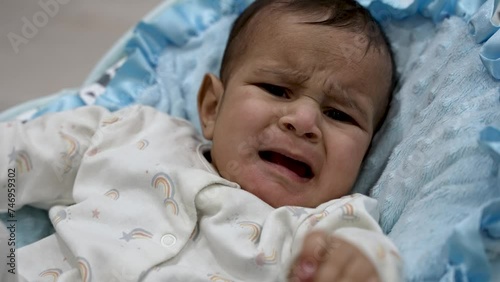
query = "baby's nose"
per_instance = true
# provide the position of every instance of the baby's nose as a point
(302, 119)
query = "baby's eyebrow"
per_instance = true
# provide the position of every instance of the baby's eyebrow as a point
(290, 75)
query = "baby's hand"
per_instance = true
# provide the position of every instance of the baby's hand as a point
(329, 258)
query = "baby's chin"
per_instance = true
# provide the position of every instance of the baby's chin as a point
(279, 197)
(276, 195)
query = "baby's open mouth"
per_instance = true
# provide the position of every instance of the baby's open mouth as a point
(302, 169)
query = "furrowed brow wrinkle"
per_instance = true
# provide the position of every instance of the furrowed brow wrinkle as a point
(332, 89)
(288, 74)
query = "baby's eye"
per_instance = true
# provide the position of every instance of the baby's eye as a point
(339, 115)
(275, 90)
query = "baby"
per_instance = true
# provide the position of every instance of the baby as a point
(136, 195)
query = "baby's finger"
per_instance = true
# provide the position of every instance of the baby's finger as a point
(347, 263)
(314, 250)
(360, 269)
(336, 261)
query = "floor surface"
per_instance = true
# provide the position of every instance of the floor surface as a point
(48, 45)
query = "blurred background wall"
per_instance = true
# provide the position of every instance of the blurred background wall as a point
(48, 45)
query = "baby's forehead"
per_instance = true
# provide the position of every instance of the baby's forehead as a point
(269, 23)
(272, 25)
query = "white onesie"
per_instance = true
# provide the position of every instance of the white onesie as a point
(133, 198)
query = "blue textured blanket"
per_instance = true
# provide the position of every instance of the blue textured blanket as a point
(427, 168)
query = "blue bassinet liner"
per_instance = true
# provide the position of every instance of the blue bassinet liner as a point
(474, 245)
(490, 55)
(180, 24)
(472, 253)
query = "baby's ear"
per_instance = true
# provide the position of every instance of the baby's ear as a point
(209, 99)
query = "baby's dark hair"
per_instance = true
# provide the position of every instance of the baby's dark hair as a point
(342, 14)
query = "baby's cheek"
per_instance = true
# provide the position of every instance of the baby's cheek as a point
(352, 140)
(348, 153)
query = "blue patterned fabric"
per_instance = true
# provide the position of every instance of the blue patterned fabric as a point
(169, 56)
(428, 168)
(480, 15)
(473, 246)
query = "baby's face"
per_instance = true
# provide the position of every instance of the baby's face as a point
(298, 113)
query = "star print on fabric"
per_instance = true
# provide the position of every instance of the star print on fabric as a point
(95, 213)
(126, 237)
(297, 212)
(136, 233)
